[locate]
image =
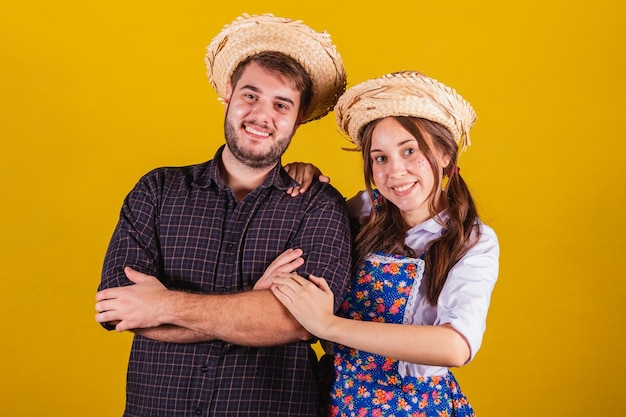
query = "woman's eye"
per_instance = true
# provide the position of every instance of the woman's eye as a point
(379, 159)
(409, 151)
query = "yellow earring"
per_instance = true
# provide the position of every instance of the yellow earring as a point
(444, 182)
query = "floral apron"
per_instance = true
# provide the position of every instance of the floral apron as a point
(371, 385)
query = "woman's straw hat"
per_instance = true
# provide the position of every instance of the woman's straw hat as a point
(405, 93)
(249, 35)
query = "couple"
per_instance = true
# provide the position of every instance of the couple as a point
(226, 271)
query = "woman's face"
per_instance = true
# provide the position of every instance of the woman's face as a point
(401, 171)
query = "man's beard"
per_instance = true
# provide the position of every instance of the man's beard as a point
(251, 158)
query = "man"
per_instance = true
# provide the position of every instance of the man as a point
(184, 266)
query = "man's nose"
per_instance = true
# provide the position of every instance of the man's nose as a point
(261, 111)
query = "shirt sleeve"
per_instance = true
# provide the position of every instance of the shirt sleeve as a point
(324, 236)
(465, 297)
(134, 241)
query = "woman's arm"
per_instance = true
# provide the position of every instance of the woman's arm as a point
(310, 302)
(305, 174)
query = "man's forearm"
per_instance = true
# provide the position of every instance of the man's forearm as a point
(253, 318)
(173, 334)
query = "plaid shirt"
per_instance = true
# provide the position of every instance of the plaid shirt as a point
(185, 227)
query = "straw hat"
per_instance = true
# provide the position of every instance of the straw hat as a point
(249, 35)
(406, 93)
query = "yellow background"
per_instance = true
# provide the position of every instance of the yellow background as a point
(95, 93)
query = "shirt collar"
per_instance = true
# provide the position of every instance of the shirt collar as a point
(432, 225)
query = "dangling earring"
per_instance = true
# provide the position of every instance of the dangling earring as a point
(444, 182)
(445, 179)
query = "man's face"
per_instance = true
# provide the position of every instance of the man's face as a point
(261, 117)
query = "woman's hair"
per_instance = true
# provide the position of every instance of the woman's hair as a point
(386, 230)
(284, 65)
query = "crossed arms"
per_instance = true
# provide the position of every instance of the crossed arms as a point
(252, 318)
(156, 306)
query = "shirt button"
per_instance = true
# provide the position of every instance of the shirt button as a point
(198, 412)
(205, 368)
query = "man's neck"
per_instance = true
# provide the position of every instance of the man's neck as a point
(239, 177)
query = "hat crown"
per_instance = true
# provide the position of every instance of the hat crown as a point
(404, 93)
(249, 35)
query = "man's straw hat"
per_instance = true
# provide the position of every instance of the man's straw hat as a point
(249, 35)
(406, 93)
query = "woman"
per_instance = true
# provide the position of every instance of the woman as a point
(425, 264)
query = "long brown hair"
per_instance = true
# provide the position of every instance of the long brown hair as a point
(386, 230)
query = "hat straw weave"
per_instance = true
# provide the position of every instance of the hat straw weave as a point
(250, 35)
(405, 93)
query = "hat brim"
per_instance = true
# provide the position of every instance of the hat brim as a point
(406, 93)
(250, 35)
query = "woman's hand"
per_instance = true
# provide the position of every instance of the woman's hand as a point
(286, 262)
(305, 174)
(310, 301)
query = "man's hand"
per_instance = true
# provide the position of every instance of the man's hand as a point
(286, 262)
(141, 305)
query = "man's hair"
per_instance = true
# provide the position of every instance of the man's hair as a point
(284, 65)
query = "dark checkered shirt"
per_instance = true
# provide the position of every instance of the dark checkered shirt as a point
(185, 227)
